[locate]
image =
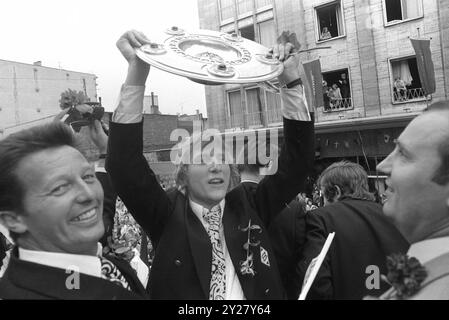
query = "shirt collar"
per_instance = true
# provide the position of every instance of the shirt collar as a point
(429, 249)
(86, 264)
(198, 210)
(5, 232)
(250, 180)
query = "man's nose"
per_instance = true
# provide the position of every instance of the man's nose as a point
(385, 165)
(215, 164)
(85, 192)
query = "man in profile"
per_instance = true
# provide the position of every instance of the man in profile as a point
(417, 197)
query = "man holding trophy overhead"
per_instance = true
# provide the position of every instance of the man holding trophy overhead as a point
(211, 242)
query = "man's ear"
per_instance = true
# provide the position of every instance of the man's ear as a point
(337, 193)
(12, 221)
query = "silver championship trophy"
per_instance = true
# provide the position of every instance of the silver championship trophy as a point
(215, 58)
(211, 57)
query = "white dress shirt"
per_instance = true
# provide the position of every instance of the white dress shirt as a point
(86, 264)
(429, 249)
(233, 288)
(90, 265)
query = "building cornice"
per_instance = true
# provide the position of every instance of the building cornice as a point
(45, 67)
(367, 123)
(377, 122)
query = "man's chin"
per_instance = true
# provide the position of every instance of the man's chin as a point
(388, 210)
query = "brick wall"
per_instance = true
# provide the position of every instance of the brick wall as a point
(157, 129)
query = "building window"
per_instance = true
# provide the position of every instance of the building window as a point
(227, 9)
(248, 33)
(267, 33)
(261, 108)
(254, 107)
(329, 21)
(401, 10)
(406, 82)
(263, 3)
(337, 91)
(235, 109)
(273, 107)
(244, 6)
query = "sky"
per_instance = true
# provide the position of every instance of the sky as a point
(80, 35)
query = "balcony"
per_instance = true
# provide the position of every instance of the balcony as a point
(339, 105)
(409, 95)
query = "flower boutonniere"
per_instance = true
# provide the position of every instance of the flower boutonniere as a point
(247, 265)
(405, 275)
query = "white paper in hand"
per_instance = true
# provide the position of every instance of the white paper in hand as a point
(314, 267)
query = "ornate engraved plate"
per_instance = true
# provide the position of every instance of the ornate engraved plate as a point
(211, 57)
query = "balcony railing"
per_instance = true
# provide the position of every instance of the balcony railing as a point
(339, 105)
(274, 116)
(408, 95)
(236, 121)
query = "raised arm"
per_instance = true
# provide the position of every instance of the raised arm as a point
(297, 154)
(131, 175)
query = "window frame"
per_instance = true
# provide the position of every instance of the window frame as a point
(264, 8)
(317, 24)
(389, 24)
(228, 20)
(228, 102)
(264, 106)
(244, 121)
(258, 23)
(390, 71)
(350, 87)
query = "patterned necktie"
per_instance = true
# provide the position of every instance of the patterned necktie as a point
(218, 280)
(110, 272)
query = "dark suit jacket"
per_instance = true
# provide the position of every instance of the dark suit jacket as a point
(182, 264)
(110, 197)
(363, 237)
(27, 280)
(287, 234)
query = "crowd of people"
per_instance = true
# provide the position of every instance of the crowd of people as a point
(208, 238)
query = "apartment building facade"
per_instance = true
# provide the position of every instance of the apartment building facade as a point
(371, 60)
(30, 93)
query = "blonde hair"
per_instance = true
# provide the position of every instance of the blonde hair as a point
(182, 168)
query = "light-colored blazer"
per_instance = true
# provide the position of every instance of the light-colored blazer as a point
(435, 286)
